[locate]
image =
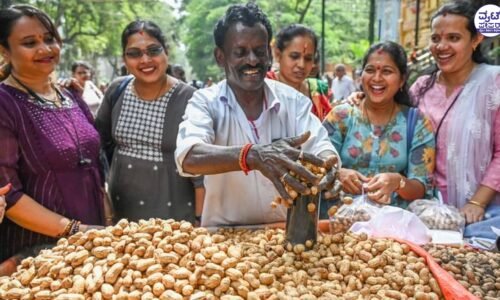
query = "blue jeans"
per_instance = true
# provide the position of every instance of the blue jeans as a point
(482, 229)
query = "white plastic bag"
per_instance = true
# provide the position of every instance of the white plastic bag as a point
(361, 209)
(395, 222)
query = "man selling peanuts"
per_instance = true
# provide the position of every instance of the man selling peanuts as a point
(246, 124)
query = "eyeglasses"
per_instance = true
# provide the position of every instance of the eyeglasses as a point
(151, 51)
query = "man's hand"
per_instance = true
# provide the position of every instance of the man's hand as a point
(472, 213)
(329, 182)
(277, 159)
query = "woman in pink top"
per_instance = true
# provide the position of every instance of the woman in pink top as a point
(462, 99)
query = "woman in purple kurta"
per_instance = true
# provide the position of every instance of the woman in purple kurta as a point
(49, 149)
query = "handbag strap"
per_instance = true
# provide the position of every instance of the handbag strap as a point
(411, 123)
(445, 114)
(119, 90)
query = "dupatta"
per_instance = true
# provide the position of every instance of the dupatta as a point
(470, 134)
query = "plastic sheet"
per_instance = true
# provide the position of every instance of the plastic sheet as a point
(395, 222)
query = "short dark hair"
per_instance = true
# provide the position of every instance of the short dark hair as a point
(398, 55)
(249, 14)
(9, 17)
(80, 63)
(287, 34)
(147, 26)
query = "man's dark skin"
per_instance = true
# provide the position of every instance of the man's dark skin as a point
(245, 57)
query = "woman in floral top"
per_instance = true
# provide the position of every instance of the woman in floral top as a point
(372, 138)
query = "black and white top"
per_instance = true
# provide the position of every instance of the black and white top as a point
(140, 126)
(143, 179)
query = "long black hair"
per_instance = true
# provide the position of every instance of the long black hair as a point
(398, 55)
(461, 8)
(9, 17)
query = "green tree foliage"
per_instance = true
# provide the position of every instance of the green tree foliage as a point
(91, 29)
(346, 28)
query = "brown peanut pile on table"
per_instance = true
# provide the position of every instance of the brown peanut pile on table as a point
(477, 271)
(319, 172)
(160, 259)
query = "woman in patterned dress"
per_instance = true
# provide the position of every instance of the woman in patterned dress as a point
(295, 51)
(49, 148)
(139, 130)
(372, 138)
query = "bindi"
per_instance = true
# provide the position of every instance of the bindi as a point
(378, 63)
(305, 48)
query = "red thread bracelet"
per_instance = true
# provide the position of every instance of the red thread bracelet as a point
(243, 158)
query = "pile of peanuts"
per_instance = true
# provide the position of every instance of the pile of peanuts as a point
(167, 259)
(477, 271)
(319, 172)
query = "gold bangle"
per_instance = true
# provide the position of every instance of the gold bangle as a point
(473, 202)
(67, 229)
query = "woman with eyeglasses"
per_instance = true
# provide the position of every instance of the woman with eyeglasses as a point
(49, 148)
(138, 122)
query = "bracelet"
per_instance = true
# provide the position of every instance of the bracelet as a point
(67, 229)
(197, 218)
(243, 158)
(473, 202)
(75, 228)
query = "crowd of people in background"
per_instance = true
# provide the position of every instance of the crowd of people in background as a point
(218, 153)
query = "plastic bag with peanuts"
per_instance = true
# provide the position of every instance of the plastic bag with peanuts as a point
(359, 209)
(437, 215)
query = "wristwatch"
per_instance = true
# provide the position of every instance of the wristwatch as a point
(402, 183)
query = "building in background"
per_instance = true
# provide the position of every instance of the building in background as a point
(387, 14)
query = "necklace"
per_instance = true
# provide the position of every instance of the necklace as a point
(56, 99)
(82, 160)
(378, 134)
(165, 82)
